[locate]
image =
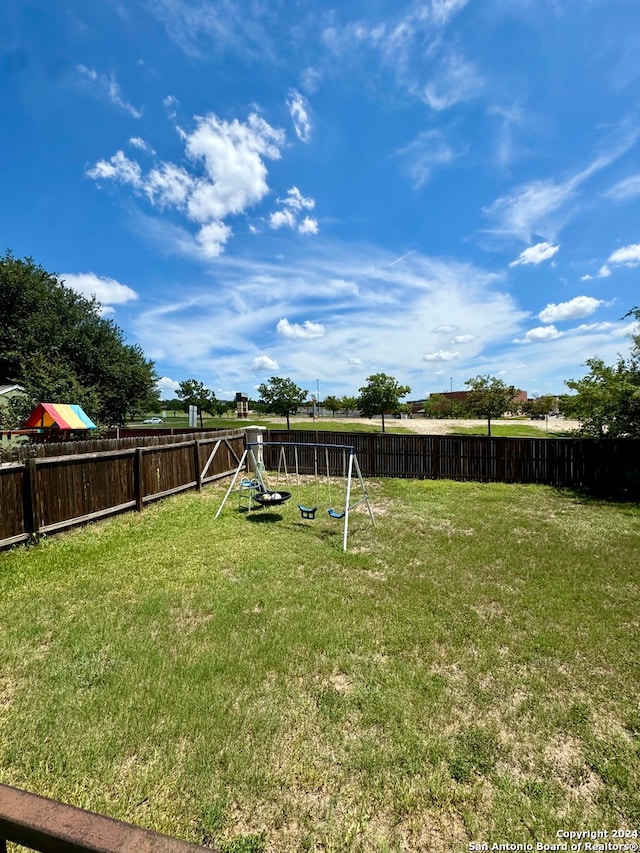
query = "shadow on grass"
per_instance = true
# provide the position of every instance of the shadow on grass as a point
(265, 518)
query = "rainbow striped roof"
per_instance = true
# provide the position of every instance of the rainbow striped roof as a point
(61, 415)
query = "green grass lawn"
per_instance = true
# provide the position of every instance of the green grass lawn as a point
(512, 429)
(467, 671)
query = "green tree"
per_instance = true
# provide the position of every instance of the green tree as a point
(489, 397)
(173, 405)
(282, 397)
(348, 404)
(56, 345)
(381, 395)
(332, 403)
(437, 406)
(607, 400)
(193, 393)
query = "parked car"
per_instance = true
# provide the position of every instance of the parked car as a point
(537, 416)
(153, 421)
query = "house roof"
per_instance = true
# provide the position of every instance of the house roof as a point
(5, 389)
(62, 415)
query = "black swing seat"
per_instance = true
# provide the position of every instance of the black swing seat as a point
(335, 514)
(307, 512)
(271, 498)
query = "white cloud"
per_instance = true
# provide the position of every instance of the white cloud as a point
(441, 355)
(428, 151)
(107, 85)
(264, 363)
(166, 386)
(231, 154)
(139, 143)
(442, 10)
(308, 226)
(457, 80)
(280, 218)
(580, 306)
(292, 205)
(169, 186)
(539, 207)
(212, 239)
(171, 104)
(117, 168)
(296, 201)
(106, 290)
(294, 330)
(529, 209)
(540, 333)
(603, 272)
(463, 339)
(298, 110)
(626, 189)
(628, 256)
(535, 254)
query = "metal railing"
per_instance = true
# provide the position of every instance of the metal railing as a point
(52, 827)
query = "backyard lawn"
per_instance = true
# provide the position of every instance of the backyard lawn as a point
(466, 673)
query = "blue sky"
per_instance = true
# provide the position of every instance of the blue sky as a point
(433, 190)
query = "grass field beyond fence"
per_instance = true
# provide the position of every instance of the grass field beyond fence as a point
(468, 671)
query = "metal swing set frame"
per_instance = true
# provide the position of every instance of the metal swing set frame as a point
(257, 490)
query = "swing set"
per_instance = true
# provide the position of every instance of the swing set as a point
(295, 457)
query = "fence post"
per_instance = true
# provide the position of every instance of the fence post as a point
(137, 479)
(29, 499)
(196, 462)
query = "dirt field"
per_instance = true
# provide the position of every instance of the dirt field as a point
(430, 426)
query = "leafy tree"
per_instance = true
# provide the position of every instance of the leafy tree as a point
(537, 405)
(282, 397)
(173, 405)
(489, 397)
(193, 393)
(381, 395)
(607, 400)
(348, 404)
(437, 406)
(56, 345)
(333, 404)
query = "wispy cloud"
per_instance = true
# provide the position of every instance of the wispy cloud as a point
(428, 151)
(106, 86)
(624, 190)
(541, 208)
(455, 80)
(141, 145)
(299, 111)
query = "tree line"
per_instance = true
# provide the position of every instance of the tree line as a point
(56, 345)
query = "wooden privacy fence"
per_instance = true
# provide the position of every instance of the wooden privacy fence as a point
(49, 493)
(611, 465)
(43, 494)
